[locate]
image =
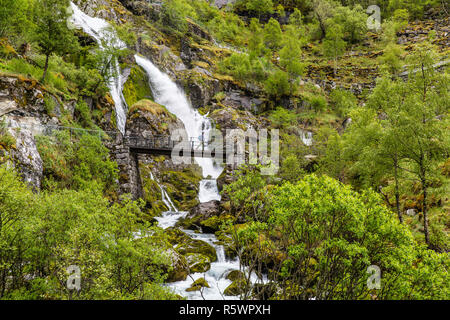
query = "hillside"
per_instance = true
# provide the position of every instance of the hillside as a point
(94, 95)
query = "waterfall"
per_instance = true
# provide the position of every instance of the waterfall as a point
(307, 137)
(101, 31)
(168, 94)
(165, 197)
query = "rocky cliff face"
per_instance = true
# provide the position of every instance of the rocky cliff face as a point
(23, 113)
(26, 158)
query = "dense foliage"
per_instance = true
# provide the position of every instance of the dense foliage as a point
(370, 188)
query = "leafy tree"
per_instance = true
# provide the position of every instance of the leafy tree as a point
(283, 118)
(296, 18)
(247, 184)
(290, 58)
(256, 41)
(343, 101)
(39, 240)
(277, 84)
(334, 44)
(52, 33)
(11, 14)
(260, 6)
(329, 236)
(323, 11)
(391, 59)
(408, 139)
(273, 34)
(174, 13)
(353, 22)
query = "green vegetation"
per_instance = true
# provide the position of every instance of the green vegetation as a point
(56, 230)
(364, 173)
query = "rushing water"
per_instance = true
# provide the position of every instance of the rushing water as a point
(101, 31)
(307, 137)
(168, 94)
(173, 98)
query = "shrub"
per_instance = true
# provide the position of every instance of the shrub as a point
(342, 101)
(283, 118)
(318, 102)
(277, 85)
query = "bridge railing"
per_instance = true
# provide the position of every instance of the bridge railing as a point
(161, 142)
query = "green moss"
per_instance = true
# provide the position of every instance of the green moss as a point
(198, 285)
(152, 193)
(150, 106)
(137, 86)
(183, 186)
(186, 245)
(198, 263)
(236, 288)
(214, 224)
(235, 275)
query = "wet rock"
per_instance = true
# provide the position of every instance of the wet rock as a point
(235, 275)
(207, 209)
(198, 254)
(198, 263)
(179, 270)
(239, 286)
(198, 285)
(27, 158)
(207, 217)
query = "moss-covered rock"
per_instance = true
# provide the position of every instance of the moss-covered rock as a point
(235, 275)
(238, 287)
(198, 285)
(198, 262)
(179, 269)
(183, 186)
(137, 86)
(147, 117)
(198, 254)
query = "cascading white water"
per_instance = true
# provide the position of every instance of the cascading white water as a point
(165, 197)
(167, 93)
(307, 137)
(101, 31)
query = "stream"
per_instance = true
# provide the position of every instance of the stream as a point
(168, 94)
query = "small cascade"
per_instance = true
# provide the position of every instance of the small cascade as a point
(208, 190)
(101, 31)
(165, 197)
(307, 137)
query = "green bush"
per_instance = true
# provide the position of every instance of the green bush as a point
(76, 162)
(318, 102)
(342, 101)
(283, 118)
(48, 232)
(277, 85)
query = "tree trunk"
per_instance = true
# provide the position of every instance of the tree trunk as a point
(45, 68)
(322, 26)
(397, 192)
(425, 212)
